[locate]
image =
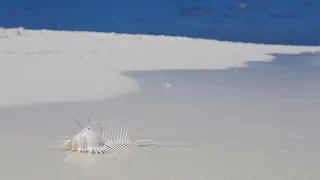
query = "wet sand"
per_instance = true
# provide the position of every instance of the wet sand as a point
(206, 127)
(243, 123)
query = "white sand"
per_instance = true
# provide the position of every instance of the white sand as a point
(41, 66)
(245, 132)
(234, 134)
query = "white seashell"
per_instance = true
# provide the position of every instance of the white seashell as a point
(105, 138)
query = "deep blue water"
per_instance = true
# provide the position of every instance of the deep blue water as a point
(295, 22)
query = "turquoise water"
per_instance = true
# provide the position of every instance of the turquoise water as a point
(293, 22)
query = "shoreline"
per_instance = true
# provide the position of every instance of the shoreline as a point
(44, 66)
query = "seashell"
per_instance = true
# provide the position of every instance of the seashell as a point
(102, 138)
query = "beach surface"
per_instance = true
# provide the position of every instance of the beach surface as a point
(216, 109)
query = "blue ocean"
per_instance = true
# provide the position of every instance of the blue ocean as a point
(289, 22)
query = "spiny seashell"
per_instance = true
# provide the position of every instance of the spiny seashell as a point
(106, 138)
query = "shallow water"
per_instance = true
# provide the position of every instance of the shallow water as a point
(259, 122)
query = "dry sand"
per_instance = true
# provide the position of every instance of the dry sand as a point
(204, 129)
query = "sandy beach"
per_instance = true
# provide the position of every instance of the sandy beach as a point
(216, 109)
